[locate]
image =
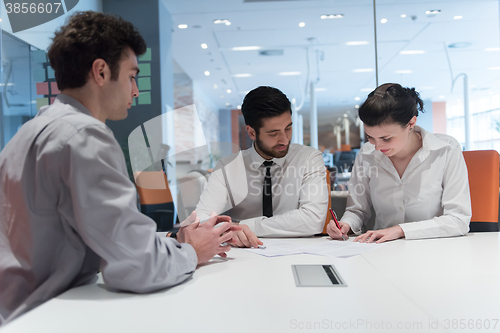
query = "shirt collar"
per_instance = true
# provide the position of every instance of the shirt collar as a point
(258, 160)
(429, 142)
(65, 99)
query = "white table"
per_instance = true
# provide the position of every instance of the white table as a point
(404, 286)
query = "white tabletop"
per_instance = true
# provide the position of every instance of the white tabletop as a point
(404, 286)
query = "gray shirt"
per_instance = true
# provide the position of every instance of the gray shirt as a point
(68, 209)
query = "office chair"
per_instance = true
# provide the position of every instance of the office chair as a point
(155, 198)
(190, 188)
(483, 169)
(344, 160)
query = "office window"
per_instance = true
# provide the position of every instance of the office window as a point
(446, 50)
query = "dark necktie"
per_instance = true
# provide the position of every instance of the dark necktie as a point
(267, 199)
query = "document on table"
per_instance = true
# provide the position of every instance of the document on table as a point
(280, 247)
(277, 247)
(341, 249)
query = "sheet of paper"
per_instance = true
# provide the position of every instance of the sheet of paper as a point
(277, 247)
(339, 249)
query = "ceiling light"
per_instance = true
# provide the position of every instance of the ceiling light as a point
(331, 16)
(433, 11)
(357, 98)
(412, 52)
(492, 49)
(289, 73)
(384, 20)
(360, 42)
(294, 101)
(356, 106)
(458, 17)
(404, 71)
(246, 48)
(302, 24)
(227, 104)
(182, 26)
(242, 75)
(221, 96)
(239, 107)
(216, 86)
(228, 91)
(207, 73)
(363, 70)
(204, 46)
(222, 21)
(403, 15)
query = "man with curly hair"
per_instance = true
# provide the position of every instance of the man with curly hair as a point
(67, 206)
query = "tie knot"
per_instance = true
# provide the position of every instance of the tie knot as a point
(267, 163)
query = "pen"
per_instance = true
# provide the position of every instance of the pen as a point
(344, 237)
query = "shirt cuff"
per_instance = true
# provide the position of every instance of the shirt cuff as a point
(252, 223)
(356, 227)
(421, 229)
(191, 253)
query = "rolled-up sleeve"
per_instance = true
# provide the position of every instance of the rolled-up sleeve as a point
(134, 257)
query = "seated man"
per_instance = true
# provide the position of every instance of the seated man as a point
(241, 184)
(67, 206)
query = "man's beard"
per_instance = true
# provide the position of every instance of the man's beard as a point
(269, 151)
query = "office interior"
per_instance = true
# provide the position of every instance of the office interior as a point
(325, 55)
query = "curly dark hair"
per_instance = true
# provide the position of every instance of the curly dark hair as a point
(89, 36)
(264, 102)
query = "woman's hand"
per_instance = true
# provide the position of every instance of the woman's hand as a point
(380, 236)
(334, 232)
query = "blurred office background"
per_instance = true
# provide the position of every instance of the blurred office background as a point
(325, 55)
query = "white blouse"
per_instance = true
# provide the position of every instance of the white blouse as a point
(431, 199)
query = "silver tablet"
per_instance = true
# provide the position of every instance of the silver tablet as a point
(317, 276)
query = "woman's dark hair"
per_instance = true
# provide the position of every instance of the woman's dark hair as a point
(89, 36)
(390, 103)
(264, 102)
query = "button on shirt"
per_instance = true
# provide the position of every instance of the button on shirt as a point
(300, 195)
(431, 199)
(68, 209)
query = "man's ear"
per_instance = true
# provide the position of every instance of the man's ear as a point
(251, 132)
(99, 72)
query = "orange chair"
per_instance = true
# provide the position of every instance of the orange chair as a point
(155, 198)
(483, 169)
(328, 217)
(345, 147)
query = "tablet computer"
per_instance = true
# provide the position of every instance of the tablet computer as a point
(317, 276)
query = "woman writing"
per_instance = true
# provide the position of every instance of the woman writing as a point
(416, 181)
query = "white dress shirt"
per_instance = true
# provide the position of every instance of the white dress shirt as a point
(68, 209)
(431, 199)
(300, 196)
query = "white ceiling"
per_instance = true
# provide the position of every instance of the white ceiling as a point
(274, 25)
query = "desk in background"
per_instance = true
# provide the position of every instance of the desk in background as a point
(410, 286)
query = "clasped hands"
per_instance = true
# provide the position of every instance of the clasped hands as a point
(215, 236)
(372, 236)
